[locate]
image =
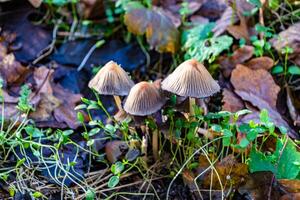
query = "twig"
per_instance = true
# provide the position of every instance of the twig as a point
(48, 50)
(87, 56)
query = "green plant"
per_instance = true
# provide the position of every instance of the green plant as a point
(199, 43)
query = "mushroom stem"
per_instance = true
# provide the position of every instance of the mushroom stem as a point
(155, 144)
(203, 106)
(144, 147)
(118, 102)
(192, 102)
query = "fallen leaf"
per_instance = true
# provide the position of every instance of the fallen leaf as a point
(91, 9)
(256, 86)
(160, 32)
(260, 63)
(65, 112)
(239, 31)
(258, 185)
(259, 88)
(291, 107)
(231, 102)
(172, 9)
(231, 173)
(289, 38)
(11, 70)
(228, 63)
(293, 196)
(228, 18)
(292, 186)
(115, 149)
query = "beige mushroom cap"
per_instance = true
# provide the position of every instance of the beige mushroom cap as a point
(143, 99)
(111, 80)
(191, 79)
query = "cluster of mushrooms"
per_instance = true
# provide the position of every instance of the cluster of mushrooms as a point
(190, 79)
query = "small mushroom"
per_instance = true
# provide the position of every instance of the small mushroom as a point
(112, 80)
(145, 99)
(191, 79)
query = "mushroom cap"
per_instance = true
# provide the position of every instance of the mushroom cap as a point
(143, 99)
(111, 80)
(191, 79)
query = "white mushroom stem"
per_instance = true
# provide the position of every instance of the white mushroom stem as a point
(192, 102)
(155, 144)
(118, 102)
(144, 147)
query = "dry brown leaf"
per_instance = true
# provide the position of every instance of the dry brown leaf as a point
(115, 149)
(255, 86)
(258, 185)
(293, 196)
(172, 9)
(260, 63)
(231, 102)
(54, 105)
(65, 112)
(160, 32)
(11, 70)
(231, 173)
(227, 64)
(228, 18)
(289, 38)
(291, 107)
(91, 9)
(292, 186)
(259, 88)
(240, 31)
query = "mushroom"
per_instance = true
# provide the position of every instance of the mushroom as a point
(145, 99)
(191, 79)
(112, 80)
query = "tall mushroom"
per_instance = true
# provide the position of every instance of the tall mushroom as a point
(145, 99)
(191, 79)
(112, 80)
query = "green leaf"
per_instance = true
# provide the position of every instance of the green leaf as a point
(20, 162)
(33, 132)
(113, 181)
(89, 194)
(244, 143)
(264, 116)
(199, 44)
(216, 128)
(110, 128)
(227, 137)
(117, 168)
(94, 131)
(278, 69)
(294, 70)
(80, 107)
(80, 117)
(37, 194)
(284, 166)
(241, 112)
(90, 142)
(274, 4)
(256, 3)
(23, 104)
(252, 134)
